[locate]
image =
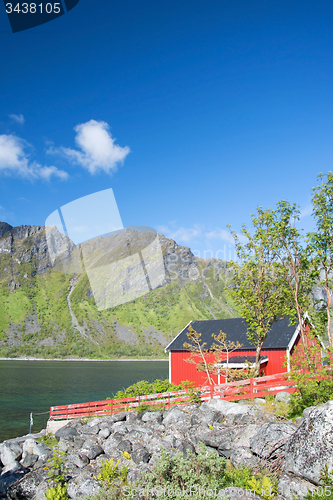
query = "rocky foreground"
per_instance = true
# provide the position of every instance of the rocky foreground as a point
(245, 434)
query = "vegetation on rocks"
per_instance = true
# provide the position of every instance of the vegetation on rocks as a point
(144, 388)
(193, 475)
(196, 451)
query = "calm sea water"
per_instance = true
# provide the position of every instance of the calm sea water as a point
(34, 386)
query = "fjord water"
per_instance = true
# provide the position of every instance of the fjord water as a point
(34, 386)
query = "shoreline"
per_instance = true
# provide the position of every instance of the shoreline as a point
(29, 358)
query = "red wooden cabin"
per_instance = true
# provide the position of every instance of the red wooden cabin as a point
(282, 342)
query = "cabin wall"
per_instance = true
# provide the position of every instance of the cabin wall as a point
(276, 361)
(180, 370)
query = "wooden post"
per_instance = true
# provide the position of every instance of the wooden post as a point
(251, 389)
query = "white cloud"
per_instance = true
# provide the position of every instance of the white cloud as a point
(220, 234)
(183, 234)
(47, 172)
(197, 233)
(15, 161)
(18, 119)
(98, 150)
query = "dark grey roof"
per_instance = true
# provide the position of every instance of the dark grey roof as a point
(242, 359)
(235, 329)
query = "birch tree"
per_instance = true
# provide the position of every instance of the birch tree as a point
(298, 273)
(259, 289)
(321, 241)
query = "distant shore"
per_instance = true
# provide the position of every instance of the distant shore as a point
(29, 358)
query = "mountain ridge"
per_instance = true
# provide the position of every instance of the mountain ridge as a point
(50, 311)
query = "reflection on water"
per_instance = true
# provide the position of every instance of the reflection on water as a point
(34, 386)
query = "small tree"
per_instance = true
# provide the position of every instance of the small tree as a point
(298, 273)
(223, 348)
(321, 241)
(198, 348)
(259, 290)
(314, 380)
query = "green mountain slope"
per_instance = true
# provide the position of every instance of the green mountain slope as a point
(50, 311)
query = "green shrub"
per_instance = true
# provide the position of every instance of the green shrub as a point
(57, 477)
(153, 407)
(48, 439)
(311, 392)
(263, 487)
(111, 474)
(105, 494)
(143, 388)
(238, 477)
(192, 476)
(193, 473)
(192, 391)
(314, 380)
(57, 493)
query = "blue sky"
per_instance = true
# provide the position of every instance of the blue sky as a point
(194, 113)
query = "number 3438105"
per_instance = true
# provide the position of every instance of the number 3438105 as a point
(33, 8)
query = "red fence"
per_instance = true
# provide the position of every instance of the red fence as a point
(242, 389)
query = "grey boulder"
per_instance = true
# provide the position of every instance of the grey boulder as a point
(94, 451)
(307, 411)
(28, 447)
(29, 460)
(66, 433)
(104, 432)
(209, 437)
(243, 457)
(11, 467)
(309, 450)
(140, 454)
(27, 486)
(82, 486)
(283, 396)
(10, 453)
(234, 438)
(176, 417)
(291, 487)
(152, 416)
(41, 450)
(89, 429)
(270, 437)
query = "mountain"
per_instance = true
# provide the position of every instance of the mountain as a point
(49, 308)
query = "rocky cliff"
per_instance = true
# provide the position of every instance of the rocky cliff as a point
(48, 305)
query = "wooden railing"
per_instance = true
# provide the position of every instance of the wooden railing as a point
(242, 389)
